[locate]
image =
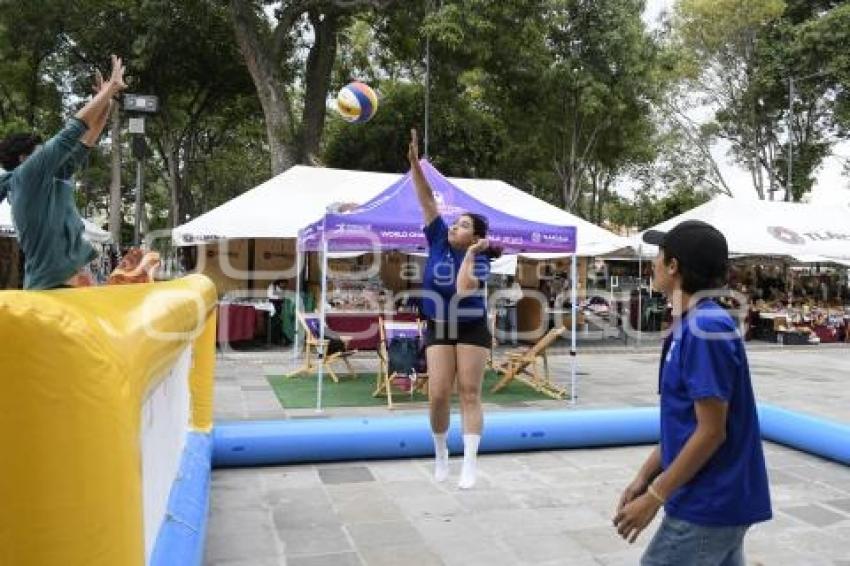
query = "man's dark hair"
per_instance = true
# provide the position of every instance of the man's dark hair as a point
(697, 278)
(15, 146)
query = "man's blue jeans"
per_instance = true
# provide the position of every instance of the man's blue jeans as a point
(680, 542)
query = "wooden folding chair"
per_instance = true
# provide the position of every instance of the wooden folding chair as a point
(522, 366)
(491, 324)
(385, 379)
(314, 346)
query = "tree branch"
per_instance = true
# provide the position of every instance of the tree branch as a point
(247, 24)
(688, 128)
(286, 18)
(194, 115)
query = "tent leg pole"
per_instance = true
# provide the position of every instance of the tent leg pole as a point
(640, 295)
(322, 346)
(298, 304)
(574, 314)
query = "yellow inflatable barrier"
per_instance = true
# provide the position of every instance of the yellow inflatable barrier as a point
(99, 389)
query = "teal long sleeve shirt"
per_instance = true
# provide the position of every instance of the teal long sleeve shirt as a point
(48, 225)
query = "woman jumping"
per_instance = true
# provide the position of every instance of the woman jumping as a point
(457, 337)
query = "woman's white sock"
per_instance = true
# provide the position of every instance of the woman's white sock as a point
(441, 457)
(470, 461)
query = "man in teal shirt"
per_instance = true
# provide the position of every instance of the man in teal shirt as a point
(39, 187)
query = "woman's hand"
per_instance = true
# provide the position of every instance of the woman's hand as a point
(413, 148)
(479, 247)
(423, 190)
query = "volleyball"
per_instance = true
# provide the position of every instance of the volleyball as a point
(357, 103)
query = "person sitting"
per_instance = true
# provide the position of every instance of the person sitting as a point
(275, 293)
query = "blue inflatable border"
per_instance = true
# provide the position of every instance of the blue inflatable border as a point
(182, 535)
(814, 435)
(254, 443)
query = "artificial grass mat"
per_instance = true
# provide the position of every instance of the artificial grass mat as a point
(300, 392)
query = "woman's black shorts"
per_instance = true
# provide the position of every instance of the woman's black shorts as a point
(474, 333)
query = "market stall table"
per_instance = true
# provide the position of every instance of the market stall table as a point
(236, 323)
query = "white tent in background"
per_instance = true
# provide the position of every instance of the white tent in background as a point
(807, 233)
(7, 227)
(283, 205)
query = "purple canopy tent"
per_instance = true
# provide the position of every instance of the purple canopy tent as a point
(392, 220)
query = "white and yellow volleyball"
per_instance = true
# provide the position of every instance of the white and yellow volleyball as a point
(357, 103)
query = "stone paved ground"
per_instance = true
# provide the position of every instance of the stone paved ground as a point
(532, 508)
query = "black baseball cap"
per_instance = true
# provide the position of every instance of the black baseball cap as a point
(695, 244)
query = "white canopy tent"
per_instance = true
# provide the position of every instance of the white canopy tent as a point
(810, 232)
(92, 232)
(282, 206)
(801, 232)
(285, 204)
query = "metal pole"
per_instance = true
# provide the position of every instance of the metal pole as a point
(427, 85)
(573, 315)
(139, 181)
(640, 295)
(295, 340)
(788, 193)
(322, 346)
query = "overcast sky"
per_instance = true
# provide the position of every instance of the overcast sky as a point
(832, 183)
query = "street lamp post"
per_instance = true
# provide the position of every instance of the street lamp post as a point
(791, 80)
(137, 105)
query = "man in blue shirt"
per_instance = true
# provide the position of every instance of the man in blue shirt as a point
(708, 470)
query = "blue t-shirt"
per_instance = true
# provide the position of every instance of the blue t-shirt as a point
(441, 278)
(703, 358)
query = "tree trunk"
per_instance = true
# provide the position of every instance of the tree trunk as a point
(755, 170)
(601, 185)
(264, 66)
(187, 204)
(173, 162)
(594, 179)
(115, 202)
(33, 90)
(319, 67)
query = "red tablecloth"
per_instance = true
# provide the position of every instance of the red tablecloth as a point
(236, 323)
(827, 334)
(363, 327)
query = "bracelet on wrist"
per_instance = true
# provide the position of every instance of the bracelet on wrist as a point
(654, 493)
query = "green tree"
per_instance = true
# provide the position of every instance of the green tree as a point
(204, 83)
(648, 208)
(185, 54)
(821, 52)
(569, 82)
(719, 41)
(465, 145)
(31, 88)
(741, 58)
(292, 88)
